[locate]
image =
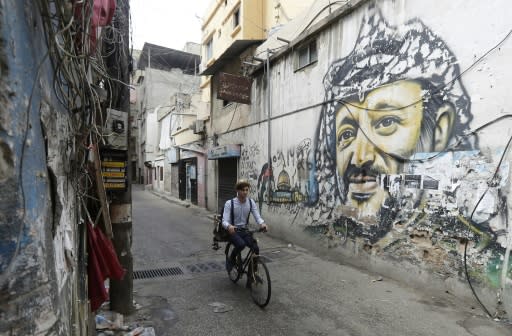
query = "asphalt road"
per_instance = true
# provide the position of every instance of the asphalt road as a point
(310, 296)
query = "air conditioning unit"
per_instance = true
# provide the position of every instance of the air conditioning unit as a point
(199, 127)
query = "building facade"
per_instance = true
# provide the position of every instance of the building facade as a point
(164, 75)
(231, 31)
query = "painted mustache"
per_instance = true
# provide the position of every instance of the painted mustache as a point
(365, 173)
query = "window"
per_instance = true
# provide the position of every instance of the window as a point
(209, 49)
(306, 55)
(161, 173)
(236, 18)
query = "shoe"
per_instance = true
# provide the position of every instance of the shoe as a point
(229, 265)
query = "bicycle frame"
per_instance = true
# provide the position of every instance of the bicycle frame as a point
(247, 260)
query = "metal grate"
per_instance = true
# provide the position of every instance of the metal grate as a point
(209, 266)
(155, 273)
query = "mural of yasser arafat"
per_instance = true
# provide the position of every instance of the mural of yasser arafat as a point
(398, 92)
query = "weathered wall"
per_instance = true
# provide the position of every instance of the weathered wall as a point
(38, 224)
(406, 162)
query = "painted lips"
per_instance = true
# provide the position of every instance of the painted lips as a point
(362, 187)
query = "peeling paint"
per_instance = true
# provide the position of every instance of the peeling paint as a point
(6, 162)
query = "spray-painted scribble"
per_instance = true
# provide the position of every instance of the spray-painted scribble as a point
(249, 158)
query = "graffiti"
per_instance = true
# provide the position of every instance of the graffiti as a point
(397, 93)
(393, 155)
(249, 157)
(291, 184)
(394, 164)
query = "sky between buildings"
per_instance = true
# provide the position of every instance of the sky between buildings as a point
(168, 23)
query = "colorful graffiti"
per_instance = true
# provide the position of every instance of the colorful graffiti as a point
(290, 186)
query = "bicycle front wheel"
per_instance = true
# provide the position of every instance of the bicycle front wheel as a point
(260, 284)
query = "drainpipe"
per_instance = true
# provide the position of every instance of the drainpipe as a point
(266, 62)
(269, 106)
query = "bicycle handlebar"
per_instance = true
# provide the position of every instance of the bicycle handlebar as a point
(250, 231)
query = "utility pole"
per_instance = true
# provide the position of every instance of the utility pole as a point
(121, 291)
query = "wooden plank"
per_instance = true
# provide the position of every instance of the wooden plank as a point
(102, 195)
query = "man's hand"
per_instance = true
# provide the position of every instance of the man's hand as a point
(231, 229)
(263, 227)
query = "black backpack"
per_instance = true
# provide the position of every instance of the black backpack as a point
(220, 234)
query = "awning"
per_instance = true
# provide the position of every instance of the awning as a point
(234, 50)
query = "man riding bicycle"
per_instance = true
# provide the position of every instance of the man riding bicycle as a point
(238, 235)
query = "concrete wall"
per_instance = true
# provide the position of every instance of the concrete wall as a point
(279, 12)
(371, 149)
(39, 278)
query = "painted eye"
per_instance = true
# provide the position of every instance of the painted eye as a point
(345, 135)
(387, 122)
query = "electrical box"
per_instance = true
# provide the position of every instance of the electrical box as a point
(116, 130)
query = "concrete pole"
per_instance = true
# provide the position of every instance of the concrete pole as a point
(121, 291)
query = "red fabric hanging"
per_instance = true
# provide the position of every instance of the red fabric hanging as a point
(102, 264)
(102, 14)
(115, 270)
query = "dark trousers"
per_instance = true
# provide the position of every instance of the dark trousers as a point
(240, 240)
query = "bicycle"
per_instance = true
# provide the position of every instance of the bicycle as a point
(257, 273)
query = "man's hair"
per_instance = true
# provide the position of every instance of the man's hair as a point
(384, 54)
(240, 185)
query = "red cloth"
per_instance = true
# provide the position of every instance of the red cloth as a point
(102, 14)
(102, 264)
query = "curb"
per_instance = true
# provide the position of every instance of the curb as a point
(185, 204)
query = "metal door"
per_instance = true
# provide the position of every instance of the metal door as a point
(227, 180)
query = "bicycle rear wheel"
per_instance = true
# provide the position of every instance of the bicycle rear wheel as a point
(260, 284)
(235, 273)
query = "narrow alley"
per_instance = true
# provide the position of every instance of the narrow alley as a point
(310, 295)
(373, 138)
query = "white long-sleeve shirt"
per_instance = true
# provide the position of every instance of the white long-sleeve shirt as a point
(241, 212)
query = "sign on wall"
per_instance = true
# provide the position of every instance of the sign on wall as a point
(234, 88)
(224, 151)
(173, 155)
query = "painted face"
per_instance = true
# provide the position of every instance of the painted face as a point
(366, 130)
